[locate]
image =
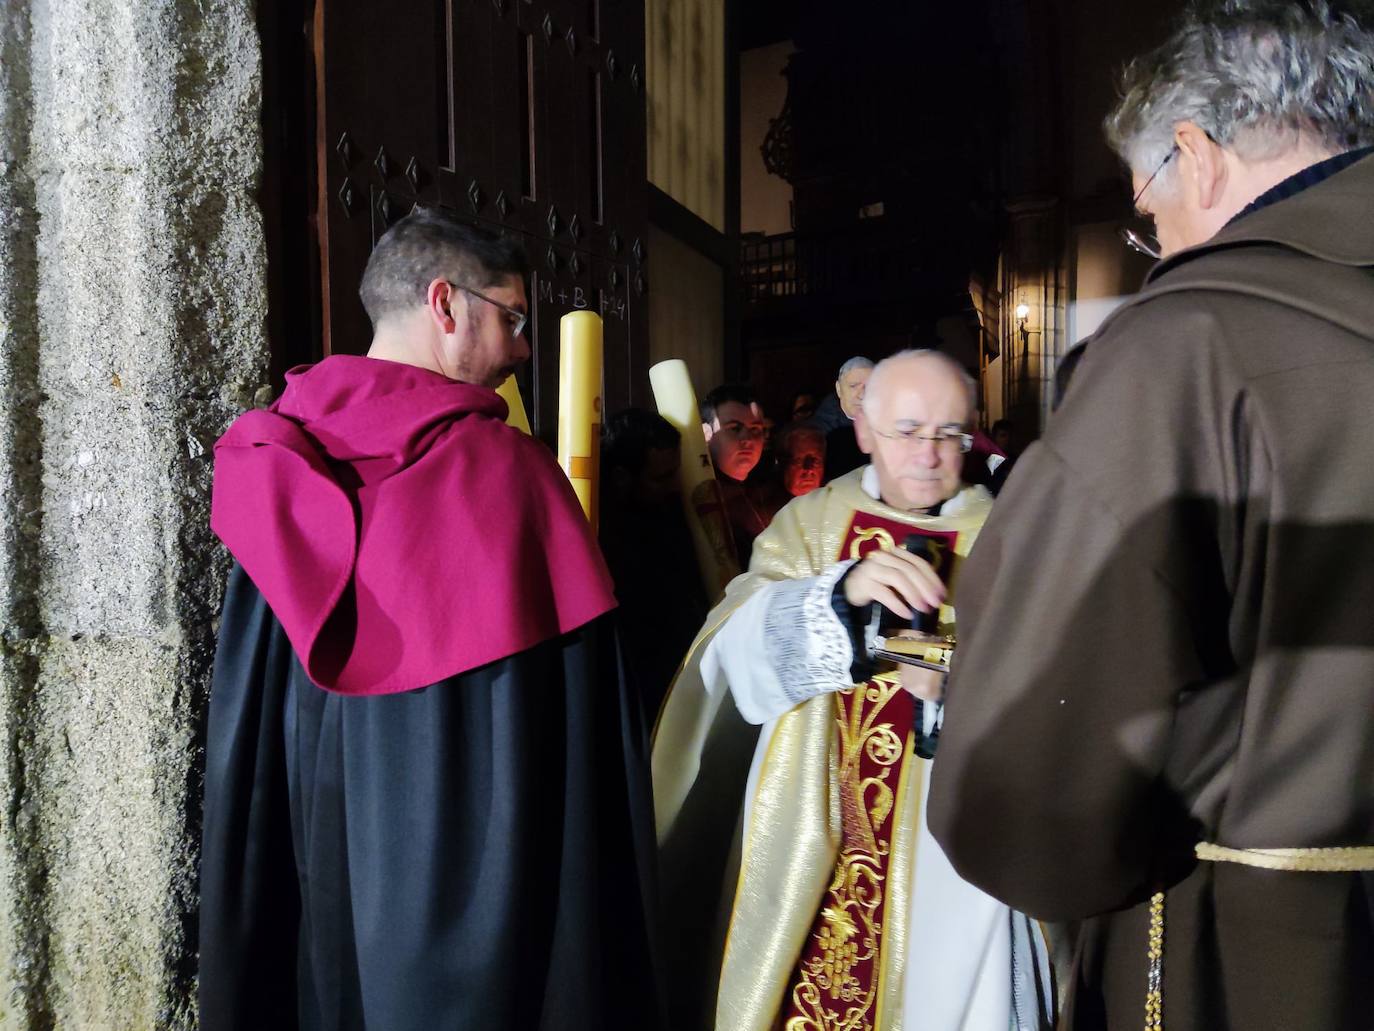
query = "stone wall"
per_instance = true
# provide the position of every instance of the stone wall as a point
(132, 314)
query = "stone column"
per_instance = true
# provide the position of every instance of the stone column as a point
(1033, 276)
(132, 315)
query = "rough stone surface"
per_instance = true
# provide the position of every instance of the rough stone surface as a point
(132, 315)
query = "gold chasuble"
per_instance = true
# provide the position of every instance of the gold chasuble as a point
(817, 927)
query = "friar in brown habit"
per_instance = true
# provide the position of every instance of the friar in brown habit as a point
(1161, 717)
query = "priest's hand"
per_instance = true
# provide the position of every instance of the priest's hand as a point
(926, 684)
(899, 580)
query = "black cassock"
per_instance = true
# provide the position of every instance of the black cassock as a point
(473, 854)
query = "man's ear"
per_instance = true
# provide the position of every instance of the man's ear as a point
(706, 431)
(439, 300)
(1199, 152)
(862, 433)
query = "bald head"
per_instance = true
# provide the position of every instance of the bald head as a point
(916, 406)
(920, 367)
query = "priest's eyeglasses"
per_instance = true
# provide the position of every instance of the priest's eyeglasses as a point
(515, 318)
(950, 439)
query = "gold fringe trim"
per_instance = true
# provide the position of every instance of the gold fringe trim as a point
(1351, 859)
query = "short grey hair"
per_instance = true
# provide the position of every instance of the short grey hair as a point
(875, 382)
(857, 362)
(1258, 76)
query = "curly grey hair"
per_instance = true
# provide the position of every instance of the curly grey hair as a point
(1259, 76)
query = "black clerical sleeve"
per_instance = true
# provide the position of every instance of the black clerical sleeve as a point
(249, 898)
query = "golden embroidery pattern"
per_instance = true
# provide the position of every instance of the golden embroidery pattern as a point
(857, 548)
(835, 985)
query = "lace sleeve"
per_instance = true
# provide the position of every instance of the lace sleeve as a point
(806, 644)
(781, 647)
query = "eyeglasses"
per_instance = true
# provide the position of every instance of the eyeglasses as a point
(1146, 245)
(515, 318)
(950, 439)
(1135, 201)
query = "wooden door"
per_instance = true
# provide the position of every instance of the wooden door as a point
(524, 116)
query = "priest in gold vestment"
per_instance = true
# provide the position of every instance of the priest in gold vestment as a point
(801, 888)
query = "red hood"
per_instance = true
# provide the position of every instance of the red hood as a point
(400, 531)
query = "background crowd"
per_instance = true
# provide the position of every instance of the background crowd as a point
(762, 461)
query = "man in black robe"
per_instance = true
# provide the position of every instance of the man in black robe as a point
(425, 798)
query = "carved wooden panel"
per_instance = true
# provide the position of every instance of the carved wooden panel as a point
(526, 117)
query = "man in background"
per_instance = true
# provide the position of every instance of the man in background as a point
(1004, 439)
(800, 452)
(835, 417)
(735, 432)
(1003, 435)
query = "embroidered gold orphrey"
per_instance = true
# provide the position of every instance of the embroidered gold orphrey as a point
(835, 986)
(837, 982)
